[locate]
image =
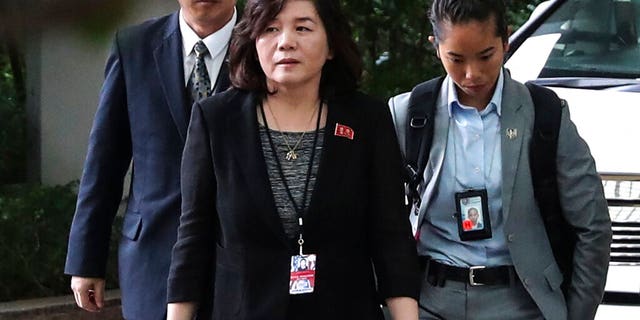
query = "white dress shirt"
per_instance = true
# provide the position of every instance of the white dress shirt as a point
(217, 44)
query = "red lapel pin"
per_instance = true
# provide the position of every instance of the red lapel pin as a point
(344, 131)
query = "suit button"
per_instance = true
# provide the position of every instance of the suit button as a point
(527, 282)
(510, 237)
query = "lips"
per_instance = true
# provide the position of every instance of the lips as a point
(287, 61)
(474, 87)
(205, 2)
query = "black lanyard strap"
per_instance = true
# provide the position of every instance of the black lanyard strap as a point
(300, 210)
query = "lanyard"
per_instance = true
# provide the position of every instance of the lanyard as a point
(300, 210)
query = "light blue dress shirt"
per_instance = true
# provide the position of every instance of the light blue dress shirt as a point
(472, 161)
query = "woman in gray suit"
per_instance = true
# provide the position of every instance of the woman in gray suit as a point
(293, 164)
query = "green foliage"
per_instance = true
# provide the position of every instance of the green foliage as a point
(519, 11)
(393, 39)
(34, 227)
(12, 125)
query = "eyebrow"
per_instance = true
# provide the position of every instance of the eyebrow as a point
(297, 20)
(305, 19)
(485, 51)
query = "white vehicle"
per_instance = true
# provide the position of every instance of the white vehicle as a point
(588, 52)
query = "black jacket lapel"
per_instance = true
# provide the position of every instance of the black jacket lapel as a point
(243, 127)
(223, 82)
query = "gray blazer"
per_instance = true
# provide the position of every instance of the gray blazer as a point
(581, 196)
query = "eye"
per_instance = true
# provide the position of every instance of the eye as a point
(455, 60)
(270, 29)
(302, 28)
(486, 57)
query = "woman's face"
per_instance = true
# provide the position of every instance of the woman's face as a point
(472, 53)
(293, 48)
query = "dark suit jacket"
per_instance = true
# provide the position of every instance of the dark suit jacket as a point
(230, 228)
(142, 117)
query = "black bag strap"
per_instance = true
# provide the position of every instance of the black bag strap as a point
(543, 157)
(546, 129)
(419, 133)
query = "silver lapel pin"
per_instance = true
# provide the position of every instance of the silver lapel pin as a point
(512, 133)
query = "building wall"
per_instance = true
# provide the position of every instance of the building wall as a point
(65, 70)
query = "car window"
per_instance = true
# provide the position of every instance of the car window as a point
(590, 38)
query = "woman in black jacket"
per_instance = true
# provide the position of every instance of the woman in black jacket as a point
(293, 164)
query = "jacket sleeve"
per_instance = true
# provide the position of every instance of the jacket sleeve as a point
(393, 246)
(585, 208)
(193, 254)
(100, 191)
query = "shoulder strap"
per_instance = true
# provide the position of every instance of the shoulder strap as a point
(546, 129)
(543, 156)
(419, 131)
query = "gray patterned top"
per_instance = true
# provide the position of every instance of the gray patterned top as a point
(295, 172)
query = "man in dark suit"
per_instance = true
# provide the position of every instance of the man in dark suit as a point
(154, 73)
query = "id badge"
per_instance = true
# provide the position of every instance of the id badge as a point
(303, 274)
(472, 215)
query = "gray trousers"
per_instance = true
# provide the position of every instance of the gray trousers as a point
(461, 301)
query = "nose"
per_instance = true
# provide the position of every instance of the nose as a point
(287, 40)
(472, 70)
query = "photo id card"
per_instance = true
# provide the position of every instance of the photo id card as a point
(472, 215)
(303, 274)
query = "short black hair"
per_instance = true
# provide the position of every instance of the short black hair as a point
(340, 75)
(463, 11)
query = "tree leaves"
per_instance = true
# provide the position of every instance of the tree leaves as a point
(393, 39)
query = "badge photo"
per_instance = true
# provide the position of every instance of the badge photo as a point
(303, 273)
(472, 215)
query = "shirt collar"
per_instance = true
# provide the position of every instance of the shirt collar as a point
(494, 103)
(215, 42)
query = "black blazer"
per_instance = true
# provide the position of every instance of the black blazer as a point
(141, 117)
(229, 228)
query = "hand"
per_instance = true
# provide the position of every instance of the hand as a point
(403, 308)
(181, 310)
(89, 293)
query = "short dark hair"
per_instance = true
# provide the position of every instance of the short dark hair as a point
(463, 11)
(340, 74)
